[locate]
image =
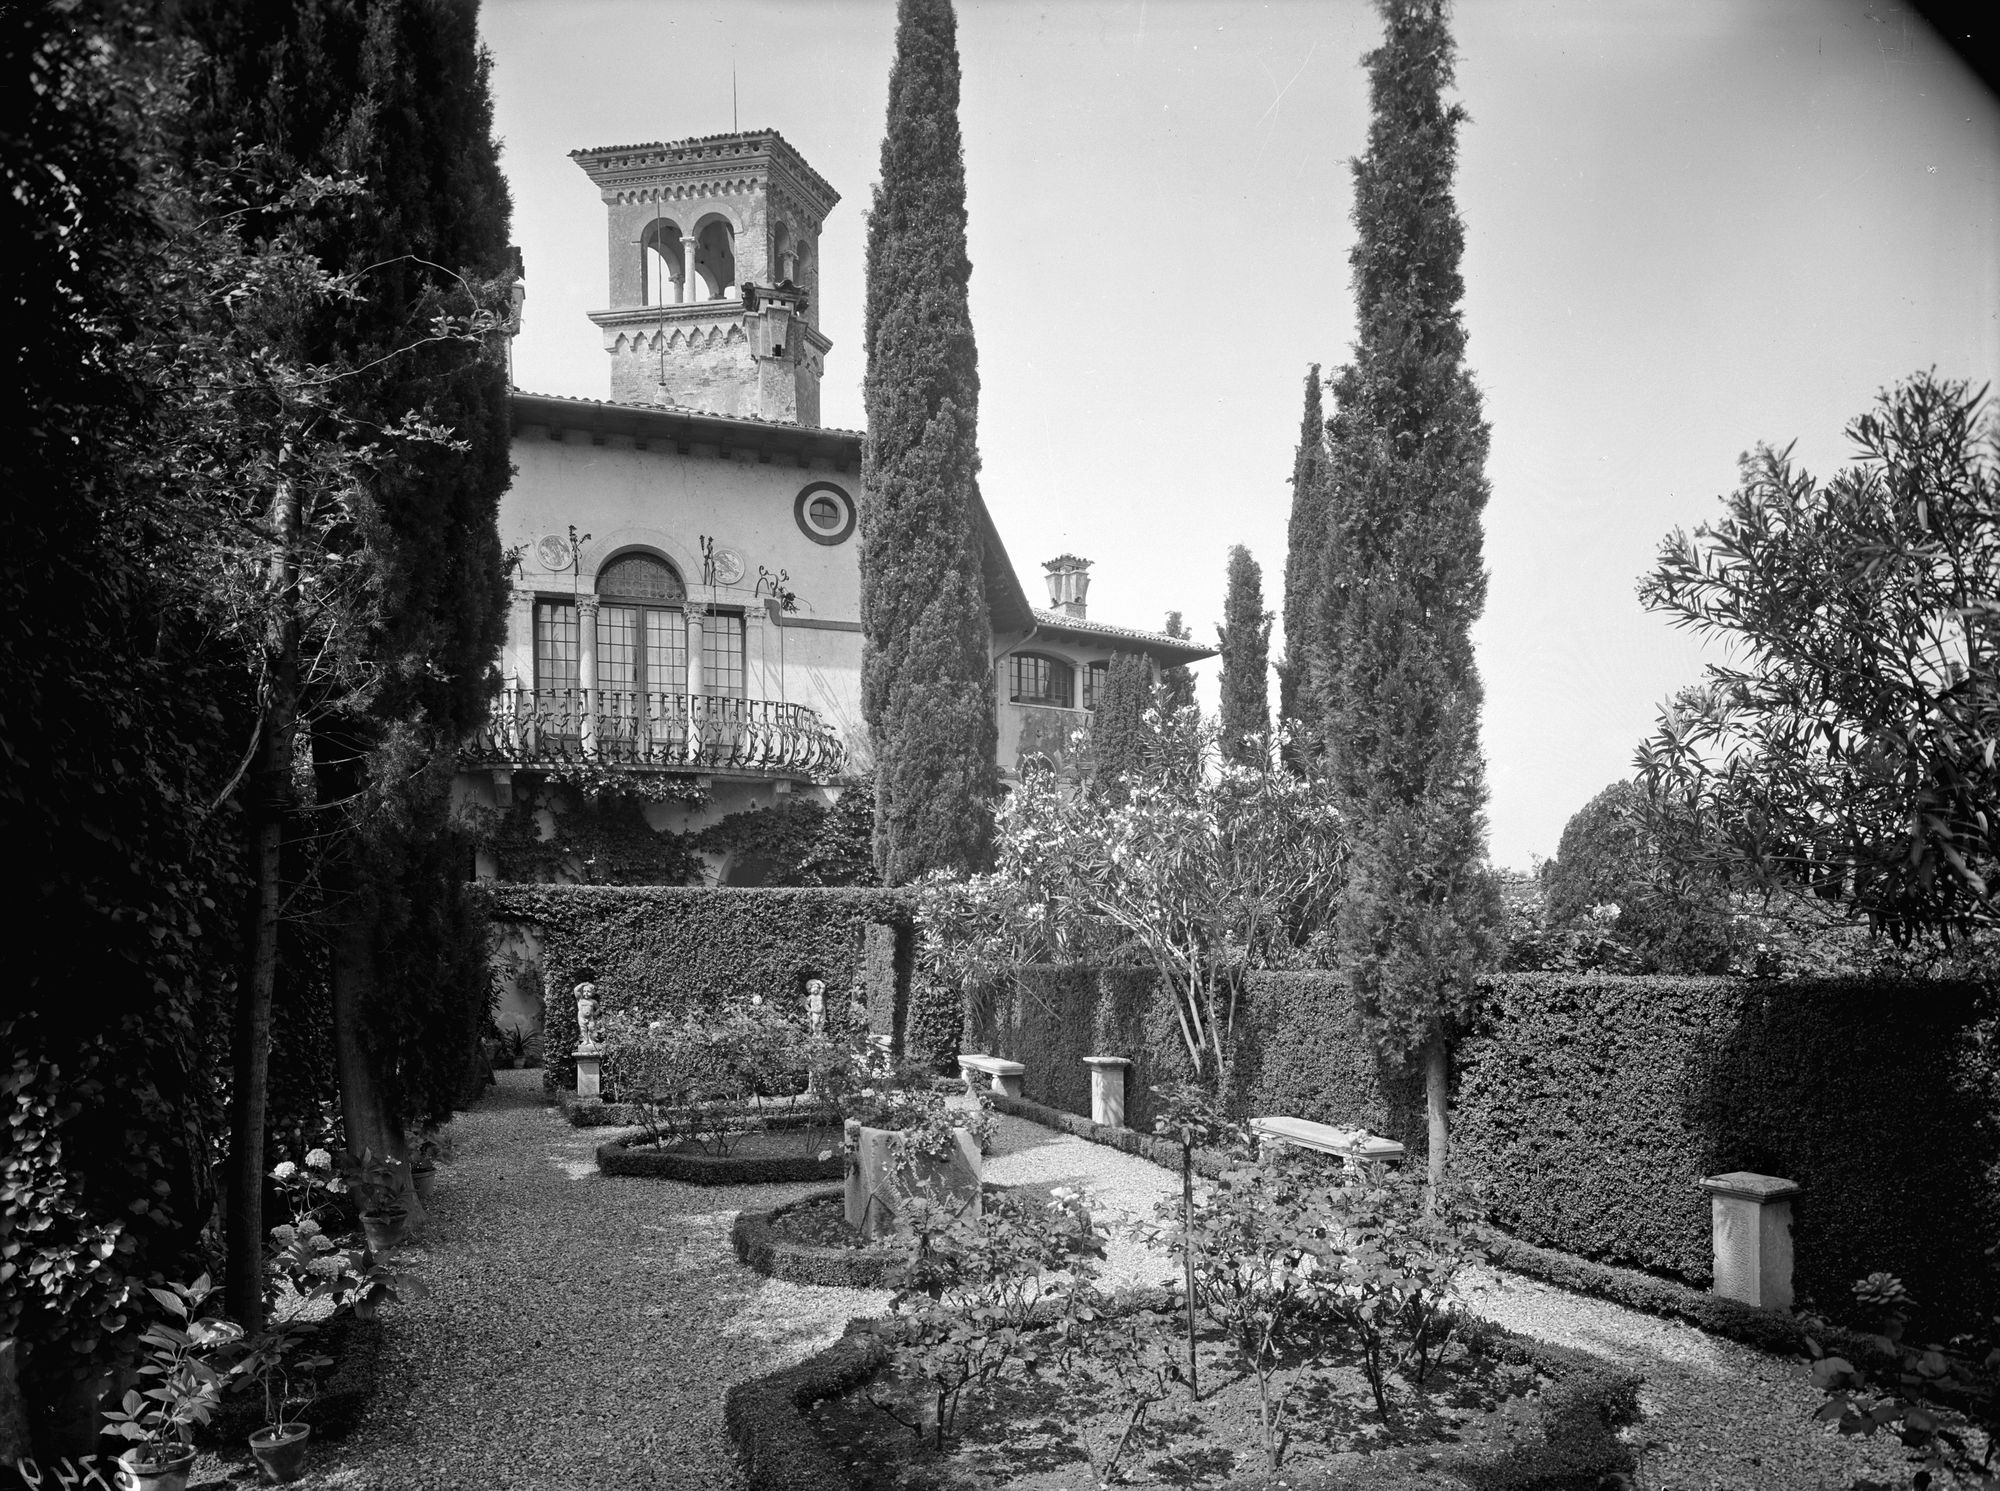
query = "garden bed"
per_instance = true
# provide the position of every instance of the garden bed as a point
(765, 1156)
(1500, 1412)
(808, 1241)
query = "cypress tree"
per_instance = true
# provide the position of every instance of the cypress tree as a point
(1404, 578)
(393, 94)
(1246, 658)
(1118, 733)
(1176, 683)
(925, 678)
(1305, 544)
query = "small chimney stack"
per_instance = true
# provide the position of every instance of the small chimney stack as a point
(1069, 583)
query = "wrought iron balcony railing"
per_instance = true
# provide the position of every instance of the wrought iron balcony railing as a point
(700, 732)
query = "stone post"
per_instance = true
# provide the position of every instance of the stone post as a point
(685, 288)
(1751, 1216)
(1107, 1089)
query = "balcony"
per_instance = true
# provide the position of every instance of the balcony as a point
(656, 732)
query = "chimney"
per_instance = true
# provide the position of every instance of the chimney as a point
(1069, 582)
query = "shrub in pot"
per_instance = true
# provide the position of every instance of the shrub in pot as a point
(384, 1187)
(288, 1378)
(182, 1384)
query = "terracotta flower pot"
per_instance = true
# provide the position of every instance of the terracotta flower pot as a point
(281, 1450)
(136, 1471)
(384, 1229)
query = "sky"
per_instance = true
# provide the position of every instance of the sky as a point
(1691, 226)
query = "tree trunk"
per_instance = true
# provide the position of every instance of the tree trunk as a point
(1437, 1094)
(271, 799)
(371, 1125)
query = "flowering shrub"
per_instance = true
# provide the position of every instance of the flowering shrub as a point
(1200, 869)
(683, 1074)
(971, 1285)
(305, 1263)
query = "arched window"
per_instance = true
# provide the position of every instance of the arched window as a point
(641, 577)
(661, 262)
(1033, 679)
(715, 262)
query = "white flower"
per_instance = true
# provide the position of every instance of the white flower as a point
(756, 998)
(308, 1228)
(284, 1170)
(320, 1243)
(318, 1159)
(284, 1235)
(328, 1268)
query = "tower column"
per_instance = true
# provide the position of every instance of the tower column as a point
(586, 669)
(687, 271)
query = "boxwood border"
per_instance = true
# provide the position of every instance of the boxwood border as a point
(762, 1247)
(780, 1450)
(624, 1156)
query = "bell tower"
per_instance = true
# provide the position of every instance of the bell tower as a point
(714, 274)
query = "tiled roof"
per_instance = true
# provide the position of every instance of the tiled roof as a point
(1057, 621)
(683, 410)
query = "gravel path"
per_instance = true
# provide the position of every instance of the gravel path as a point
(580, 1330)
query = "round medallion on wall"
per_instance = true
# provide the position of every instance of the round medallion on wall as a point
(728, 566)
(825, 513)
(553, 550)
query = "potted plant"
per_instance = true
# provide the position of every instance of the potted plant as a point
(423, 1167)
(184, 1387)
(289, 1383)
(383, 1186)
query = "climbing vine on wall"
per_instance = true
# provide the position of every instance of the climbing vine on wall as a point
(602, 840)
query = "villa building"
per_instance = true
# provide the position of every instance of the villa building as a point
(686, 600)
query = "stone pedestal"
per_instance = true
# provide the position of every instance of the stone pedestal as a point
(1752, 1220)
(589, 1071)
(1107, 1089)
(877, 1186)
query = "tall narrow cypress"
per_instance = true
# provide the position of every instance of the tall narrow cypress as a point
(1177, 682)
(1246, 662)
(925, 676)
(1305, 559)
(1404, 577)
(1118, 731)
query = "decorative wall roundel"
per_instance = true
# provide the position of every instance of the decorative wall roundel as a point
(824, 513)
(553, 551)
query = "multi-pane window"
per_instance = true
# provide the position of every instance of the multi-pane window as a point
(722, 655)
(1040, 680)
(1094, 678)
(555, 646)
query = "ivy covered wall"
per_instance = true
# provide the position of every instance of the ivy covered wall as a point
(660, 951)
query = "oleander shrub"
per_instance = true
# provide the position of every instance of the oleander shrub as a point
(1588, 1106)
(658, 952)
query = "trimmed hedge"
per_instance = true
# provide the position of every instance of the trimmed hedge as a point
(1589, 1105)
(759, 1245)
(627, 1155)
(1579, 1448)
(766, 1416)
(1161, 1152)
(664, 950)
(1300, 1049)
(1767, 1330)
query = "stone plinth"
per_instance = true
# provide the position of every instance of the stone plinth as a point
(877, 1184)
(1107, 1089)
(1751, 1217)
(589, 1072)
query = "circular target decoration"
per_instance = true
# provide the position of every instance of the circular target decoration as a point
(553, 551)
(824, 513)
(728, 566)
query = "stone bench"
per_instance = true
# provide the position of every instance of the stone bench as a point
(1005, 1075)
(1351, 1145)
